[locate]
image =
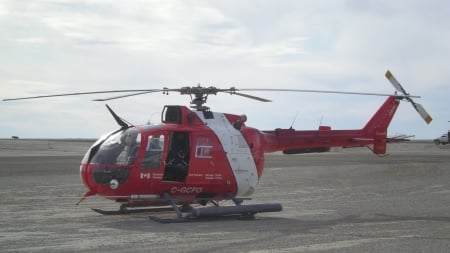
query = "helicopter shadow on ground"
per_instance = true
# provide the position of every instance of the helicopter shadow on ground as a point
(141, 222)
(232, 223)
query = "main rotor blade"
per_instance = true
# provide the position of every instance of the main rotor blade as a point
(330, 92)
(124, 96)
(395, 83)
(421, 110)
(248, 96)
(77, 94)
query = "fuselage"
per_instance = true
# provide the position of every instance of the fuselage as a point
(222, 159)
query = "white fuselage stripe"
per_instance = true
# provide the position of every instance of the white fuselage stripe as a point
(237, 151)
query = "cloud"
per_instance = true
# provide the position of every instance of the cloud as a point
(68, 46)
(151, 26)
(176, 28)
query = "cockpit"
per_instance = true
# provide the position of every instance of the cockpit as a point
(110, 159)
(119, 148)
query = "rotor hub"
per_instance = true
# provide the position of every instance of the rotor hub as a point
(199, 95)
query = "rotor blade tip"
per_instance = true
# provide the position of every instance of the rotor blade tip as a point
(388, 74)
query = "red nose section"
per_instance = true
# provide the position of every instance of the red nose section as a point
(85, 172)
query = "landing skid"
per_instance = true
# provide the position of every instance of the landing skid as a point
(186, 213)
(131, 211)
(189, 218)
(241, 212)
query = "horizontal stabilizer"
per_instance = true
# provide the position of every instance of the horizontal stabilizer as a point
(362, 139)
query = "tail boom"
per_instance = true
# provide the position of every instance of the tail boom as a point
(373, 133)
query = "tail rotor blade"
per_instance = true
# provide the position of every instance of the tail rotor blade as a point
(424, 114)
(395, 83)
(419, 108)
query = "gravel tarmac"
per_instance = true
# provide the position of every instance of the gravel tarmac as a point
(348, 200)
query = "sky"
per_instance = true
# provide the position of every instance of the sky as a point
(63, 46)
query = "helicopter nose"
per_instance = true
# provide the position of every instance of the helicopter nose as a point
(84, 173)
(85, 178)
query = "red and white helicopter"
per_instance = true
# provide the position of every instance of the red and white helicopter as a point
(203, 157)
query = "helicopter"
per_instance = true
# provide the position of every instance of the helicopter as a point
(200, 157)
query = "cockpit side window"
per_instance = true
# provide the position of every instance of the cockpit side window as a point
(119, 149)
(153, 152)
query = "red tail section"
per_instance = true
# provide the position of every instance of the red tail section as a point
(374, 133)
(379, 123)
(382, 118)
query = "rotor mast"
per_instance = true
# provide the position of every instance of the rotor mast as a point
(199, 95)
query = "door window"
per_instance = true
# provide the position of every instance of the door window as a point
(153, 152)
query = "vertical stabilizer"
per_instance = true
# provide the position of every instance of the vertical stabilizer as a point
(383, 117)
(377, 126)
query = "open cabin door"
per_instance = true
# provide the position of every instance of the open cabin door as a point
(178, 157)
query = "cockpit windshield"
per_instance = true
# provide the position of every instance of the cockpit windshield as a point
(119, 149)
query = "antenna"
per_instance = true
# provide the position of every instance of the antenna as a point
(149, 122)
(295, 118)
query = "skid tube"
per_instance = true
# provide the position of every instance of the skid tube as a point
(186, 213)
(124, 211)
(243, 212)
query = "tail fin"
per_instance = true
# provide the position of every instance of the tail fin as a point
(377, 126)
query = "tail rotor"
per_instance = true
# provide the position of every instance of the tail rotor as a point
(419, 108)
